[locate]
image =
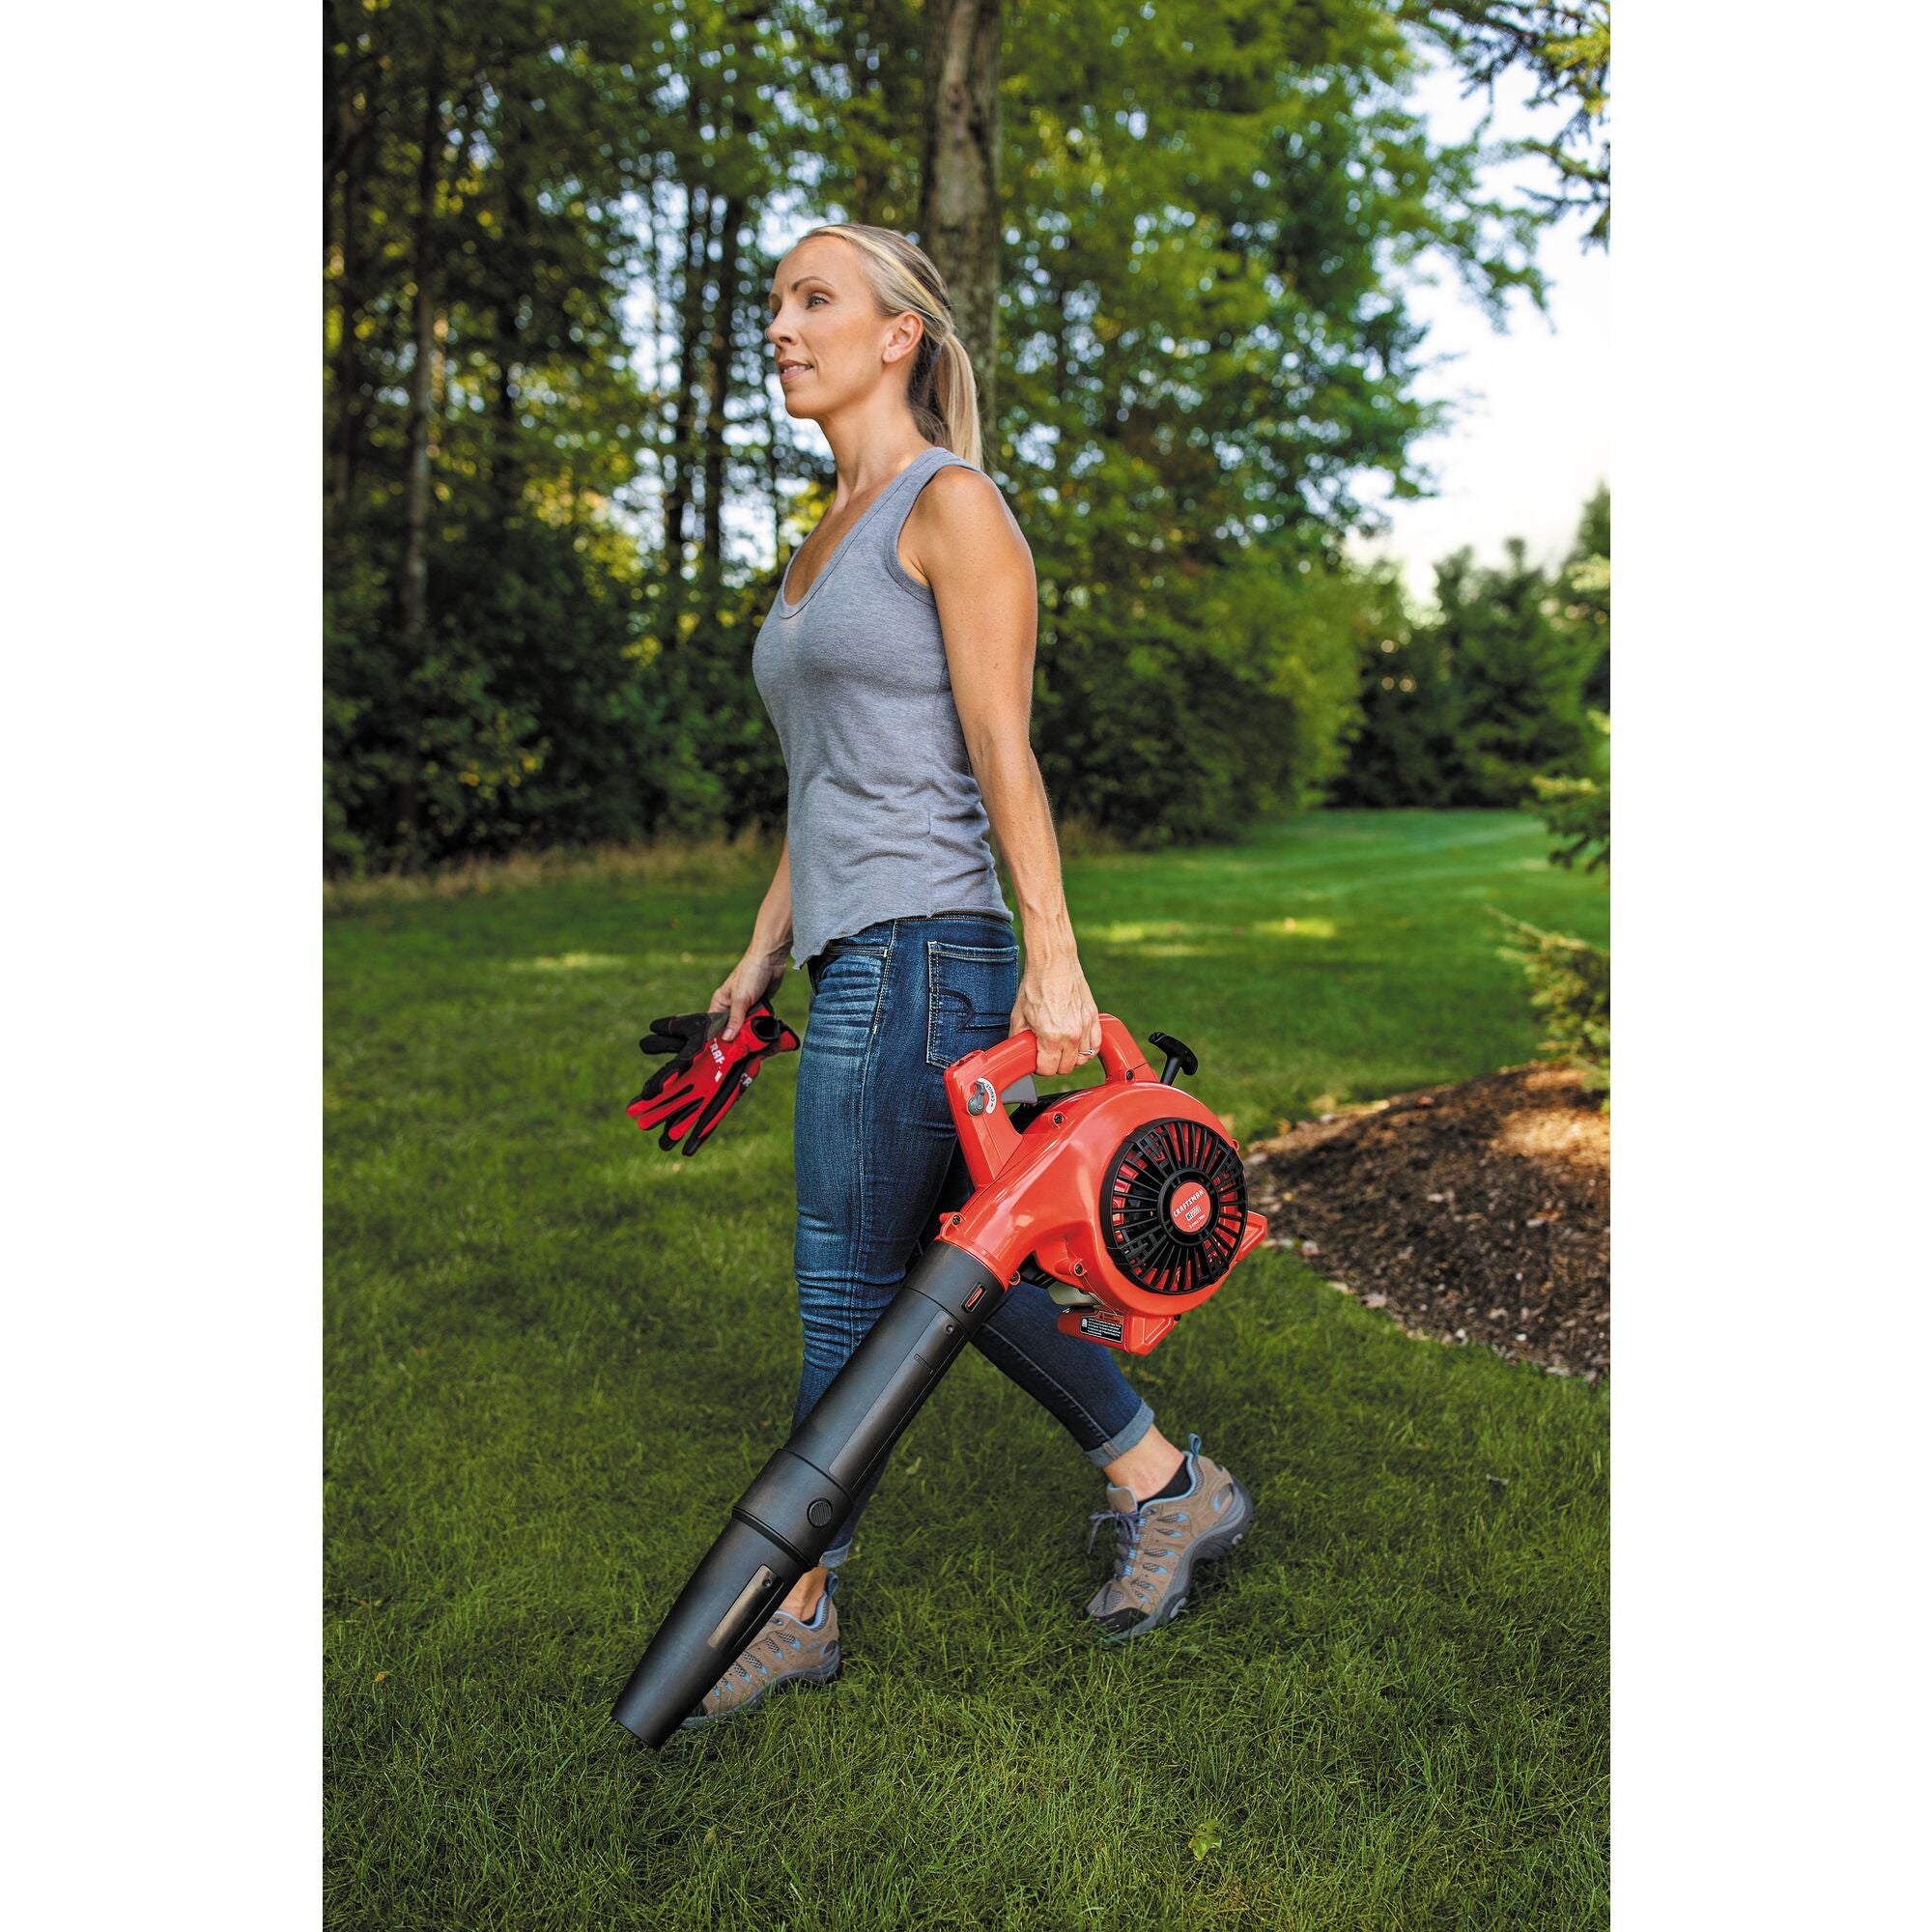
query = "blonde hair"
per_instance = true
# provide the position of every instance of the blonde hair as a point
(943, 396)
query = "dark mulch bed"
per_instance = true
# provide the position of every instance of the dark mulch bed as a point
(1475, 1213)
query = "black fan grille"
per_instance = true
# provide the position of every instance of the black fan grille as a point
(1142, 1240)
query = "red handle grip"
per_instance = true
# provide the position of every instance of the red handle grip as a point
(988, 1136)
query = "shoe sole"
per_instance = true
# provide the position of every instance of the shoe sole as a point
(1216, 1543)
(817, 1673)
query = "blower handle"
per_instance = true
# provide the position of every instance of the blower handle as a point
(988, 1137)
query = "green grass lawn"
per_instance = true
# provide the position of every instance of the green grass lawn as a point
(555, 1355)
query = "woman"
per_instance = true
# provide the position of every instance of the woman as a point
(896, 662)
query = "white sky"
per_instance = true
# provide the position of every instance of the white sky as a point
(1531, 436)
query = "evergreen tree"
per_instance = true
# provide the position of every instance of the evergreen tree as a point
(1586, 587)
(1404, 750)
(1519, 674)
(1470, 706)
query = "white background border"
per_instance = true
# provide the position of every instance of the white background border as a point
(163, 1369)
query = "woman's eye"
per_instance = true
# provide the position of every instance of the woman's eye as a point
(809, 299)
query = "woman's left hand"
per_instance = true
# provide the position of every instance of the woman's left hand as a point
(1055, 1002)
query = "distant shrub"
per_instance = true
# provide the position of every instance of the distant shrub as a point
(1570, 979)
(1169, 717)
(1578, 813)
(1570, 987)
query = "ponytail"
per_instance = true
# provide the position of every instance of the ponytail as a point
(945, 398)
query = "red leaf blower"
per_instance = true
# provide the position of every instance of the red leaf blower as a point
(1127, 1200)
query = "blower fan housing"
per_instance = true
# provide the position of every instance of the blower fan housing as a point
(1130, 1196)
(1174, 1208)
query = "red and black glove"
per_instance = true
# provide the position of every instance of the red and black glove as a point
(703, 1079)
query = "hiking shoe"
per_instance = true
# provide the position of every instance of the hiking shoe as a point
(784, 1651)
(1157, 1544)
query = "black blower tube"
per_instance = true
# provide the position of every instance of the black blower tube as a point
(783, 1521)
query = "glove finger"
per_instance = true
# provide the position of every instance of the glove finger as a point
(725, 1098)
(729, 1098)
(676, 1123)
(672, 1079)
(654, 1113)
(667, 1076)
(675, 1033)
(660, 1100)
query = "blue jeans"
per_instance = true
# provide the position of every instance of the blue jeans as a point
(876, 1150)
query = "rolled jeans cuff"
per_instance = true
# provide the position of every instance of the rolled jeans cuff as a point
(1122, 1439)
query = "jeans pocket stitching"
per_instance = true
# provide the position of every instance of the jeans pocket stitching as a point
(885, 959)
(972, 955)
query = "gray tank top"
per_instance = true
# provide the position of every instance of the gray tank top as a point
(883, 811)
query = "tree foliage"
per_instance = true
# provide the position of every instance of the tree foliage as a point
(1564, 45)
(558, 483)
(1209, 348)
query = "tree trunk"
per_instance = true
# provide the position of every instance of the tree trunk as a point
(345, 175)
(691, 323)
(423, 394)
(724, 344)
(348, 363)
(959, 179)
(664, 295)
(506, 475)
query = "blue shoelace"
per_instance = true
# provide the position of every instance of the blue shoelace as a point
(1128, 1527)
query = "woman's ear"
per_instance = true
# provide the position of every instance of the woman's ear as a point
(904, 339)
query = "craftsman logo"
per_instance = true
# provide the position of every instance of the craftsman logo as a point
(1188, 1209)
(1099, 1324)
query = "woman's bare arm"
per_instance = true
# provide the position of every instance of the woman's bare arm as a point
(757, 974)
(970, 550)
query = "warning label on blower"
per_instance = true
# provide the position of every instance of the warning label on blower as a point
(1102, 1325)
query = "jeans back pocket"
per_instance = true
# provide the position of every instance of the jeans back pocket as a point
(969, 992)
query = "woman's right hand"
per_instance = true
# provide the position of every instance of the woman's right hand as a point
(755, 977)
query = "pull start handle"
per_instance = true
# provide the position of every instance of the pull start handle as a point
(1179, 1057)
